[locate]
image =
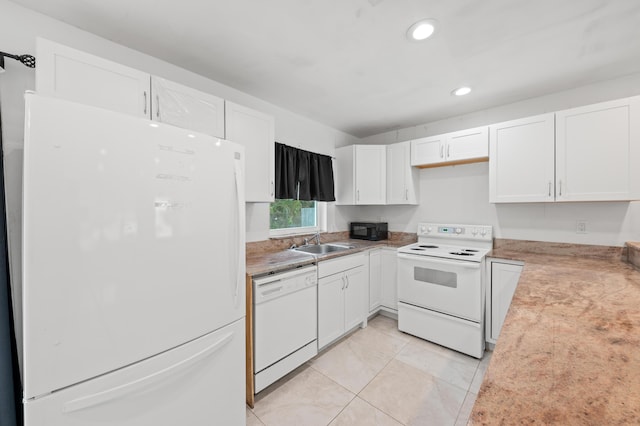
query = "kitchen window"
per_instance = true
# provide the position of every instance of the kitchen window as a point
(290, 217)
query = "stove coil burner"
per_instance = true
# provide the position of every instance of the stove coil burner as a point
(428, 246)
(417, 249)
(470, 250)
(461, 253)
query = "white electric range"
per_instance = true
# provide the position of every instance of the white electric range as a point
(441, 288)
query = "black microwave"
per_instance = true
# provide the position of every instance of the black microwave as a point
(372, 231)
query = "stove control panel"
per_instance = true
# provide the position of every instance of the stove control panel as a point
(467, 232)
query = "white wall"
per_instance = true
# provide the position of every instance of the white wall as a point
(461, 193)
(19, 28)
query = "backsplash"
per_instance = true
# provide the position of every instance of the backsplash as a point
(560, 249)
(283, 243)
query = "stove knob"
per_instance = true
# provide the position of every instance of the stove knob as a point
(474, 231)
(483, 231)
(422, 228)
(458, 230)
(429, 229)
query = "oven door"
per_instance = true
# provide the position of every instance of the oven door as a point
(442, 285)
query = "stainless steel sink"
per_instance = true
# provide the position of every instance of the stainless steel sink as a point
(322, 248)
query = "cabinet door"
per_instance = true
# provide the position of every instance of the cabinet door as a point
(375, 279)
(428, 150)
(188, 108)
(402, 179)
(256, 131)
(355, 297)
(389, 260)
(504, 280)
(370, 172)
(330, 308)
(467, 144)
(597, 151)
(521, 164)
(71, 74)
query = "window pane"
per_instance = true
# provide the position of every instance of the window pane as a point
(293, 214)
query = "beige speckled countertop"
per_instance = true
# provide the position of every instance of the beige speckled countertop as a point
(569, 350)
(271, 257)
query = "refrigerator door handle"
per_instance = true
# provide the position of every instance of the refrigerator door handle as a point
(137, 385)
(241, 222)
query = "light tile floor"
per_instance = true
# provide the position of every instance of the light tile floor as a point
(376, 376)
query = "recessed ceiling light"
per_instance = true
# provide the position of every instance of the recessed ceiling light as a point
(421, 30)
(461, 91)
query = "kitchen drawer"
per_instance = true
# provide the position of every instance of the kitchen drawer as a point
(341, 264)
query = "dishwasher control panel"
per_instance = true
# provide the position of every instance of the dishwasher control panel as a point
(277, 285)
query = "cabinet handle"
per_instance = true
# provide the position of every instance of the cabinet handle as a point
(272, 188)
(347, 278)
(560, 190)
(158, 106)
(145, 102)
(441, 151)
(342, 283)
(448, 150)
(549, 188)
(406, 195)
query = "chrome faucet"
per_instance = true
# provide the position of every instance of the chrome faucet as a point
(316, 237)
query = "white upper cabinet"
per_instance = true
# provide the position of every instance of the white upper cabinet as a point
(521, 165)
(256, 131)
(589, 153)
(402, 179)
(598, 152)
(470, 144)
(188, 108)
(465, 146)
(68, 73)
(361, 174)
(71, 74)
(428, 150)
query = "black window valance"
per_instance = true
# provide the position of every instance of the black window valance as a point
(303, 175)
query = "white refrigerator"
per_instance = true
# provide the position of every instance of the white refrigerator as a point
(133, 266)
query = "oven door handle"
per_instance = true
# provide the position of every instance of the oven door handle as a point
(437, 260)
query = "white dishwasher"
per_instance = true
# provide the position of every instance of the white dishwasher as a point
(285, 323)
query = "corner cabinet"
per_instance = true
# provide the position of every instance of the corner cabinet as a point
(504, 276)
(361, 175)
(461, 147)
(342, 296)
(581, 154)
(402, 179)
(256, 132)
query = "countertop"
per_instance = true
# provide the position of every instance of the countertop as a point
(259, 263)
(569, 350)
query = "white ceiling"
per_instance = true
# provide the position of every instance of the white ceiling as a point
(347, 63)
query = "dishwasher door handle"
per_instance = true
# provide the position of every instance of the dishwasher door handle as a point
(271, 291)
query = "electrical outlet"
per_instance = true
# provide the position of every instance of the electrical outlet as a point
(581, 227)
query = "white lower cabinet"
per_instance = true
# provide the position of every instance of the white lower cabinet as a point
(389, 279)
(342, 296)
(375, 279)
(504, 276)
(383, 291)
